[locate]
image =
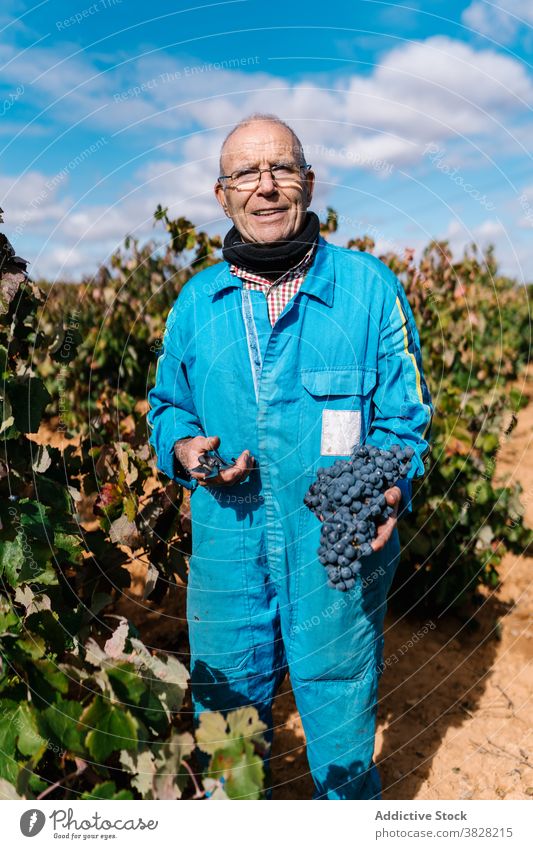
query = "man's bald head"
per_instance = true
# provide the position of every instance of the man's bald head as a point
(258, 117)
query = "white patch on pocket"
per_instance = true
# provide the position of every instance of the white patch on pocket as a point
(341, 430)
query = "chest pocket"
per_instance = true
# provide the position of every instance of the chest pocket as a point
(226, 406)
(335, 413)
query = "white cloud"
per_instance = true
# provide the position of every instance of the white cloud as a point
(500, 21)
(435, 90)
(442, 74)
(514, 254)
(12, 128)
(186, 188)
(525, 204)
(30, 201)
(459, 234)
(421, 90)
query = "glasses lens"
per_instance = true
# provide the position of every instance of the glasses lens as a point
(245, 179)
(284, 175)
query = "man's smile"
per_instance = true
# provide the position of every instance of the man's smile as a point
(276, 212)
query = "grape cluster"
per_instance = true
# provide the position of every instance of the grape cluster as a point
(349, 497)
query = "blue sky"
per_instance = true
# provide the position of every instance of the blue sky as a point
(416, 118)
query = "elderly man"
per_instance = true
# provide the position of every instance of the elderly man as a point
(283, 357)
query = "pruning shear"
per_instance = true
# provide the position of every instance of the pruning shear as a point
(211, 464)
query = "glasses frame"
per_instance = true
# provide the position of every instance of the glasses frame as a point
(305, 168)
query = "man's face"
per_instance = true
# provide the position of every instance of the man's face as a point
(260, 145)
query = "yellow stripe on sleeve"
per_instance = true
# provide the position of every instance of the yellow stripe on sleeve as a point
(413, 358)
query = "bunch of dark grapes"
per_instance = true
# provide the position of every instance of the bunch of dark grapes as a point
(349, 496)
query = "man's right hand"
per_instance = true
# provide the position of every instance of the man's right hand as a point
(188, 451)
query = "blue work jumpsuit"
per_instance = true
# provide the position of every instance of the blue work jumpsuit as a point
(340, 366)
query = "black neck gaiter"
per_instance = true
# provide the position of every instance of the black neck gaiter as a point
(271, 257)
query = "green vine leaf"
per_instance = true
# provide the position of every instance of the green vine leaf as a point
(112, 729)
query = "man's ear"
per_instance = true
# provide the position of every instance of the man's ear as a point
(309, 184)
(221, 197)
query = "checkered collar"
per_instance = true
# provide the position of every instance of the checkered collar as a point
(296, 271)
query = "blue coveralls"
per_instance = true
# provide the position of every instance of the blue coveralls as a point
(341, 365)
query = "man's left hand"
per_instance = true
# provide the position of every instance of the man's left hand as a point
(384, 531)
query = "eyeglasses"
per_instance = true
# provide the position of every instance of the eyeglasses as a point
(249, 178)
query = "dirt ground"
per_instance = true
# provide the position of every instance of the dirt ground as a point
(454, 715)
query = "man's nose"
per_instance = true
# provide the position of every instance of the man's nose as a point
(266, 183)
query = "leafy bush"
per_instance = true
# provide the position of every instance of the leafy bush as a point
(475, 330)
(87, 709)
